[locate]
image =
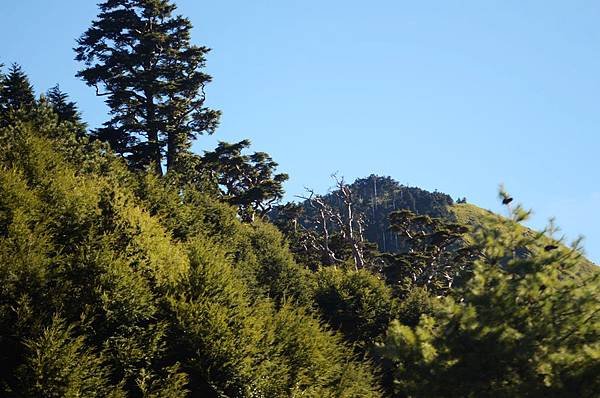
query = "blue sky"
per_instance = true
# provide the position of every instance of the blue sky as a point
(456, 96)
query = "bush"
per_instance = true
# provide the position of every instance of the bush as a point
(528, 325)
(359, 304)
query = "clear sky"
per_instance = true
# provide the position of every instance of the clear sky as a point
(458, 96)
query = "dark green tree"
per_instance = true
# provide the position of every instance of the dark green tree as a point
(65, 109)
(246, 181)
(286, 217)
(16, 93)
(138, 54)
(357, 303)
(59, 364)
(437, 256)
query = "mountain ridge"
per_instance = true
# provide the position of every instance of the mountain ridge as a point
(376, 197)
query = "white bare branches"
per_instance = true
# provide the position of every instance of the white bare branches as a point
(348, 224)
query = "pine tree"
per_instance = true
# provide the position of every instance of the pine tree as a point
(246, 181)
(138, 54)
(16, 93)
(65, 110)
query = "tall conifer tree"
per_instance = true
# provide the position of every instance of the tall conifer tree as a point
(16, 93)
(65, 109)
(138, 54)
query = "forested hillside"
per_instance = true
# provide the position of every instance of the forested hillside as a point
(131, 266)
(375, 198)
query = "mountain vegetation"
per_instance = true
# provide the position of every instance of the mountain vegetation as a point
(132, 267)
(375, 198)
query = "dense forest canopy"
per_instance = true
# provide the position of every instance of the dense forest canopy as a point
(132, 267)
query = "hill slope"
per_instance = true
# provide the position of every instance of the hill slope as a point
(469, 214)
(117, 284)
(375, 197)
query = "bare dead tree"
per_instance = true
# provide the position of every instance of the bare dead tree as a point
(347, 223)
(326, 214)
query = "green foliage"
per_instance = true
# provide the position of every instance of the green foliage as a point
(258, 250)
(186, 210)
(138, 53)
(171, 383)
(276, 272)
(528, 324)
(81, 250)
(16, 95)
(359, 304)
(214, 327)
(245, 181)
(416, 302)
(117, 281)
(375, 198)
(438, 257)
(240, 347)
(58, 364)
(65, 109)
(316, 362)
(218, 310)
(300, 240)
